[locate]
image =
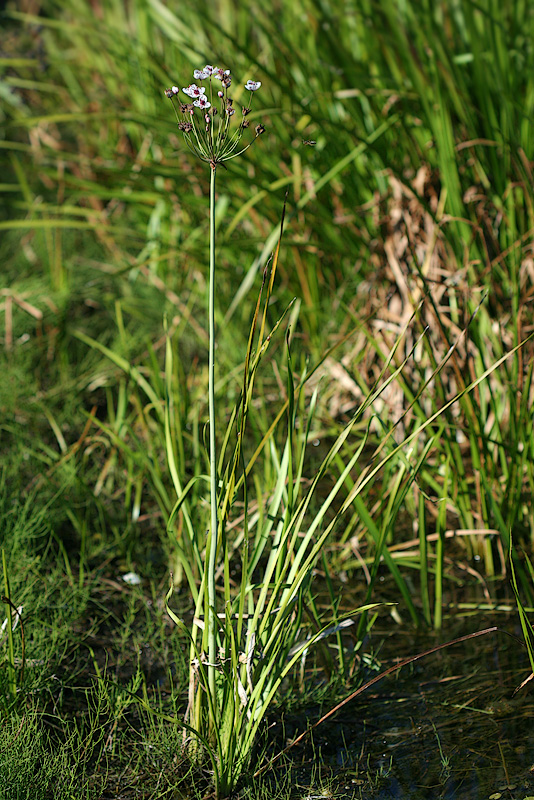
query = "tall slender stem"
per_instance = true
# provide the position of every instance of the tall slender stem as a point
(211, 611)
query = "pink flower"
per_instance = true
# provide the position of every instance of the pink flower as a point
(194, 91)
(252, 86)
(201, 74)
(202, 102)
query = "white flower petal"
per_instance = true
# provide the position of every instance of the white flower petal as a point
(194, 91)
(252, 86)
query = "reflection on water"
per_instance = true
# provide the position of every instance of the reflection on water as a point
(448, 726)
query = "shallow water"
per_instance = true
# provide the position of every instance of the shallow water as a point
(448, 726)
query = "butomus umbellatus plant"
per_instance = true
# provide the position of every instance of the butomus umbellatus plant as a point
(244, 640)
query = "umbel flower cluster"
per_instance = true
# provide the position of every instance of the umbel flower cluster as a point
(206, 119)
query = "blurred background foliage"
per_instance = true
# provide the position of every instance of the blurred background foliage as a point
(413, 208)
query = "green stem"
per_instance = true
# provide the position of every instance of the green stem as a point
(211, 611)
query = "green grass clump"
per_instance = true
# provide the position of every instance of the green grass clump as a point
(29, 767)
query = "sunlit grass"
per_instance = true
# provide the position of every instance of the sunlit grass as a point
(409, 221)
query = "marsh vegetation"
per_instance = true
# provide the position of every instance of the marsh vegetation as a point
(373, 378)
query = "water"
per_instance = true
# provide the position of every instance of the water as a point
(448, 726)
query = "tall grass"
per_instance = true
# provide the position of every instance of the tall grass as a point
(418, 186)
(408, 243)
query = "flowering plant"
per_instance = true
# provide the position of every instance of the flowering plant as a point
(208, 134)
(244, 639)
(206, 122)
